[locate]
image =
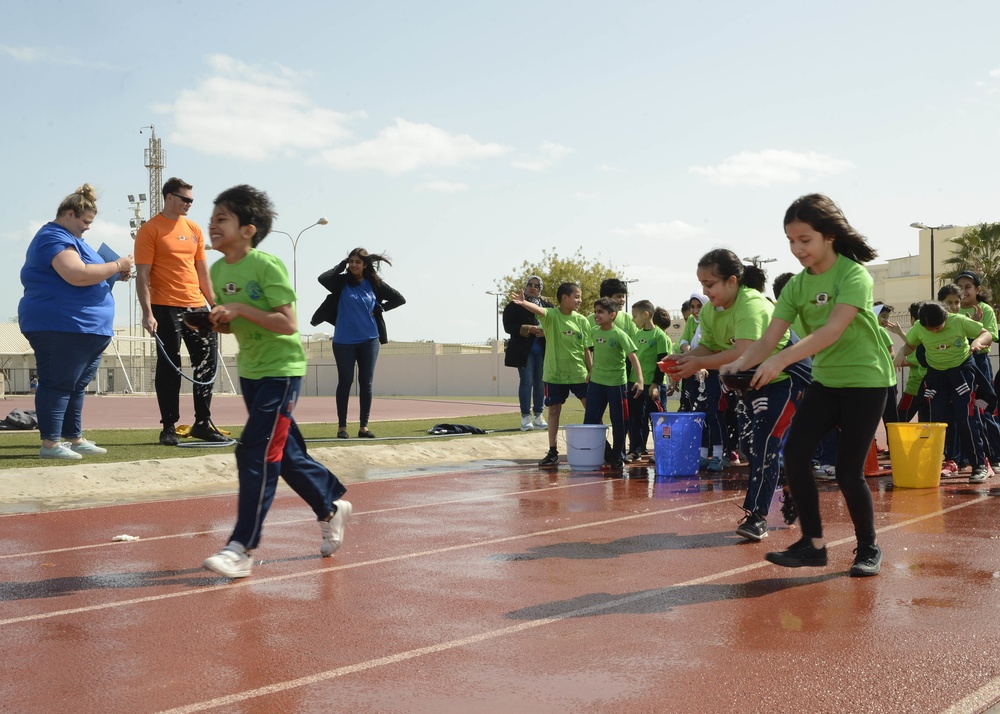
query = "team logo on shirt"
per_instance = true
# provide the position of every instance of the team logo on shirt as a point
(732, 340)
(181, 237)
(254, 290)
(230, 289)
(822, 299)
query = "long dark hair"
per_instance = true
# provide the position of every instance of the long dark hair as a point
(825, 217)
(373, 263)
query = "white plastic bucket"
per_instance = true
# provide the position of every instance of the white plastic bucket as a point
(585, 445)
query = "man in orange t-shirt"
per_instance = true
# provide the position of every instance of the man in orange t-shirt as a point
(172, 279)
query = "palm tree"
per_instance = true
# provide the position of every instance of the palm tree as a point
(978, 250)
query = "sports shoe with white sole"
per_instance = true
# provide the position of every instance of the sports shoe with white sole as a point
(59, 451)
(539, 423)
(229, 564)
(333, 529)
(87, 447)
(526, 424)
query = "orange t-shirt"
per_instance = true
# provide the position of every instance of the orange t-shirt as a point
(171, 248)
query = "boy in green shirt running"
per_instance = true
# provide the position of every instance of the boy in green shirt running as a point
(254, 301)
(613, 349)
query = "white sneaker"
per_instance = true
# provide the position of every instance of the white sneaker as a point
(59, 451)
(539, 423)
(229, 564)
(825, 472)
(526, 423)
(87, 447)
(333, 529)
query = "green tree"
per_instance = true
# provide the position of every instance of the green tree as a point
(554, 270)
(978, 250)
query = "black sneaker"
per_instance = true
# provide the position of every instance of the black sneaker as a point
(788, 512)
(753, 527)
(205, 433)
(631, 457)
(168, 437)
(551, 459)
(799, 554)
(616, 464)
(867, 560)
(979, 475)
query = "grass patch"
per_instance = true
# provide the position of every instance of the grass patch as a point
(19, 449)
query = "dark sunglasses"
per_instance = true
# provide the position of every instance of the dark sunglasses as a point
(186, 200)
(535, 285)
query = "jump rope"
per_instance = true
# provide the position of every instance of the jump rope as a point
(198, 325)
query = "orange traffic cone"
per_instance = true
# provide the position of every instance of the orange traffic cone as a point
(871, 463)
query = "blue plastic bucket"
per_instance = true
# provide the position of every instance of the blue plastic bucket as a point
(676, 442)
(585, 445)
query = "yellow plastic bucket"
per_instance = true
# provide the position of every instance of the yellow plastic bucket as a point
(916, 451)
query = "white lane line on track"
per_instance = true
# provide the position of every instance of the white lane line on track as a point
(514, 629)
(978, 700)
(295, 521)
(350, 566)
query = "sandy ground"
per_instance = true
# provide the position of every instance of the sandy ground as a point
(48, 488)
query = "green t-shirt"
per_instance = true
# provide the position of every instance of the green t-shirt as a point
(611, 350)
(989, 321)
(623, 321)
(745, 319)
(861, 356)
(261, 280)
(687, 334)
(949, 347)
(915, 376)
(649, 345)
(567, 338)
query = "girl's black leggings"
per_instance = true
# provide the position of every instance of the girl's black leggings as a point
(857, 411)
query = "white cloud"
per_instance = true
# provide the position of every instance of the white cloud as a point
(772, 166)
(441, 186)
(611, 169)
(547, 155)
(995, 72)
(28, 55)
(673, 229)
(407, 146)
(251, 113)
(587, 195)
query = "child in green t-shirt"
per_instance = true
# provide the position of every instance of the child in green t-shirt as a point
(567, 364)
(950, 383)
(852, 367)
(613, 349)
(652, 345)
(254, 301)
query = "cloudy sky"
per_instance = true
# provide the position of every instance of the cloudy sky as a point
(465, 137)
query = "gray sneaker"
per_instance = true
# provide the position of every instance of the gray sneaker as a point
(867, 560)
(979, 475)
(87, 447)
(753, 527)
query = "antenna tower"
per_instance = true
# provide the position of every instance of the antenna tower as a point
(154, 162)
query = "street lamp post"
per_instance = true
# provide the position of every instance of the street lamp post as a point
(295, 245)
(497, 294)
(922, 227)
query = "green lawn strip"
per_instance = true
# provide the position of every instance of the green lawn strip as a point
(19, 449)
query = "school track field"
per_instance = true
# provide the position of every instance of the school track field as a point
(504, 588)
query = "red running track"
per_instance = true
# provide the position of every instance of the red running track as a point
(503, 589)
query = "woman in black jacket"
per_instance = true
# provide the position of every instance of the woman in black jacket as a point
(526, 351)
(357, 299)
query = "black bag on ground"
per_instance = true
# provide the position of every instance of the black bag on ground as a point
(19, 420)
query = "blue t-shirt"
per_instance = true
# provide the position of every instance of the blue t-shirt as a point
(355, 322)
(53, 305)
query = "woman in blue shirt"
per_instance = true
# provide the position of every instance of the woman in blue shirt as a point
(357, 299)
(66, 314)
